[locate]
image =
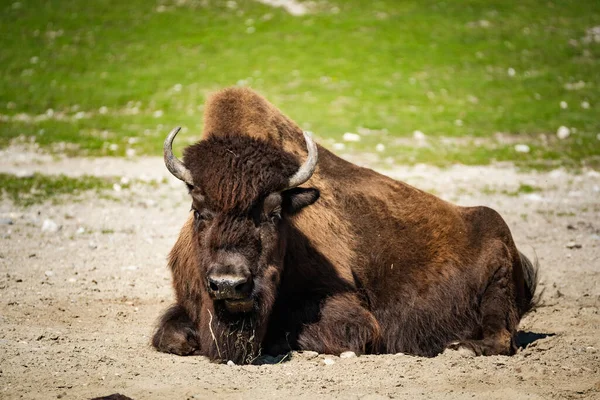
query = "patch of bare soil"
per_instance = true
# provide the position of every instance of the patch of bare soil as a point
(78, 305)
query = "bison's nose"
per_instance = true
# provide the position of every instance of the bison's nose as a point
(229, 286)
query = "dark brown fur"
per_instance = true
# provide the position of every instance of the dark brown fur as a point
(373, 266)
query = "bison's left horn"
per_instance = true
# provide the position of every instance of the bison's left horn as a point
(175, 166)
(308, 168)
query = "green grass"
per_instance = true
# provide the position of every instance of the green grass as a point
(40, 188)
(119, 75)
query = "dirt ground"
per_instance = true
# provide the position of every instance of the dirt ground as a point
(78, 305)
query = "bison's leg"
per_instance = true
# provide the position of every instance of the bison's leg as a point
(344, 325)
(176, 333)
(499, 314)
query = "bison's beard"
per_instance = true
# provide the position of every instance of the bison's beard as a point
(235, 336)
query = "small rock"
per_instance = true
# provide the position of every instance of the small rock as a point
(571, 227)
(380, 147)
(573, 245)
(50, 226)
(230, 363)
(351, 137)
(328, 361)
(348, 354)
(80, 230)
(522, 148)
(6, 221)
(591, 349)
(49, 273)
(563, 132)
(418, 135)
(533, 197)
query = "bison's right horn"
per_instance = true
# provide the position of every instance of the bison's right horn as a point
(175, 166)
(308, 168)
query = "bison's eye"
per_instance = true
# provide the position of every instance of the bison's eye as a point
(275, 215)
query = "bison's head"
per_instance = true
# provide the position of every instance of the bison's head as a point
(243, 191)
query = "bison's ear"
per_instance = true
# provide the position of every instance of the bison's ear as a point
(296, 199)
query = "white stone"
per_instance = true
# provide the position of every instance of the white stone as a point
(351, 137)
(522, 148)
(328, 361)
(380, 147)
(585, 104)
(418, 135)
(534, 197)
(49, 273)
(563, 132)
(348, 354)
(511, 72)
(50, 226)
(230, 363)
(564, 105)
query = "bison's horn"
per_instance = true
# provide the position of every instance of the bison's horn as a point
(175, 166)
(308, 168)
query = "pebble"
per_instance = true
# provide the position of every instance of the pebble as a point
(80, 230)
(348, 354)
(6, 221)
(351, 137)
(563, 132)
(380, 147)
(328, 361)
(522, 148)
(49, 273)
(50, 226)
(573, 245)
(418, 135)
(230, 363)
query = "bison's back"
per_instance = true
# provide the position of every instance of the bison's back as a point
(420, 262)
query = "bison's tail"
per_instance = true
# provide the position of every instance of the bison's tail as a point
(531, 277)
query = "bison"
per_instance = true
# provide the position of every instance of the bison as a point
(289, 247)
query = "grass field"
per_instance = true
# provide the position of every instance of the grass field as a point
(476, 77)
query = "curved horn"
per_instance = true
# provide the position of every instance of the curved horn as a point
(308, 168)
(175, 166)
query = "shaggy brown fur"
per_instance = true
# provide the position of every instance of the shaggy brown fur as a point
(373, 266)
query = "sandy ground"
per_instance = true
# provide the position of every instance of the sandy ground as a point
(77, 306)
